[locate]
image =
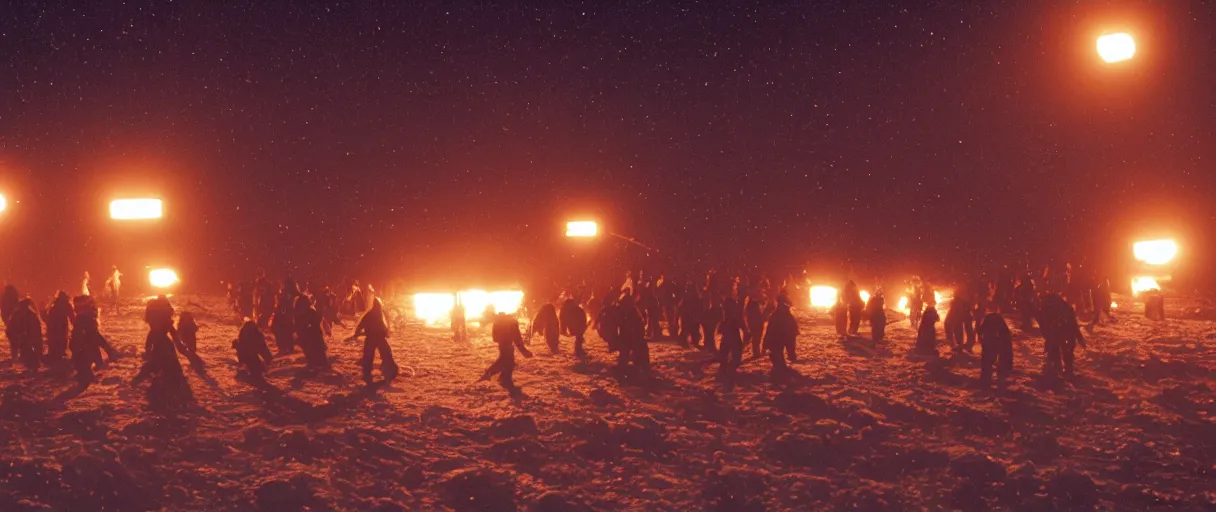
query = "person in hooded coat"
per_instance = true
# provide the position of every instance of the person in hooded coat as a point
(24, 331)
(459, 320)
(374, 328)
(608, 323)
(87, 342)
(632, 340)
(711, 315)
(187, 330)
(689, 312)
(996, 342)
(916, 304)
(326, 309)
(283, 323)
(730, 353)
(161, 364)
(574, 323)
(1027, 298)
(926, 334)
(545, 323)
(781, 337)
(59, 319)
(252, 352)
(309, 334)
(1061, 334)
(505, 332)
(854, 306)
(876, 308)
(960, 332)
(753, 316)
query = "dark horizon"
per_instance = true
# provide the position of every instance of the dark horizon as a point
(379, 142)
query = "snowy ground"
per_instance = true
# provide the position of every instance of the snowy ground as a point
(866, 428)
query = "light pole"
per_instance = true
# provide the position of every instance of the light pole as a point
(591, 229)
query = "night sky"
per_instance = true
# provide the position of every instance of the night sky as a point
(335, 139)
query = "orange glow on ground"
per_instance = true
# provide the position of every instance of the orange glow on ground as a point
(1155, 252)
(1116, 47)
(582, 229)
(136, 209)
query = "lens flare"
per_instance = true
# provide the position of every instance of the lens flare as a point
(1155, 252)
(583, 229)
(162, 277)
(1116, 47)
(136, 209)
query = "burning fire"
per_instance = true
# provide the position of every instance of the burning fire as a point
(130, 209)
(1116, 47)
(162, 277)
(1144, 284)
(434, 308)
(865, 297)
(1155, 252)
(582, 229)
(903, 305)
(823, 297)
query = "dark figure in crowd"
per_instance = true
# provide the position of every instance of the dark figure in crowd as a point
(840, 315)
(574, 323)
(187, 330)
(375, 329)
(689, 312)
(926, 334)
(753, 317)
(732, 328)
(265, 300)
(648, 304)
(876, 309)
(916, 304)
(545, 323)
(1027, 299)
(326, 309)
(1102, 302)
(710, 316)
(1061, 333)
(669, 298)
(505, 333)
(310, 336)
(86, 349)
(283, 324)
(252, 352)
(356, 299)
(8, 302)
(169, 385)
(244, 299)
(608, 323)
(632, 341)
(59, 319)
(997, 343)
(959, 320)
(24, 331)
(854, 305)
(459, 320)
(114, 288)
(781, 337)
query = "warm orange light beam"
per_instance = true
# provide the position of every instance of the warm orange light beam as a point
(136, 209)
(582, 229)
(1116, 47)
(1155, 252)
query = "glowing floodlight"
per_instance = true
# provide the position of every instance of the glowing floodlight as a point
(162, 277)
(865, 297)
(3, 203)
(582, 229)
(136, 209)
(433, 308)
(1155, 252)
(823, 297)
(903, 305)
(1116, 47)
(1143, 284)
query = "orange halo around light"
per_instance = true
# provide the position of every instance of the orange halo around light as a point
(3, 203)
(1155, 252)
(162, 277)
(823, 297)
(434, 308)
(1116, 47)
(582, 229)
(1144, 284)
(135, 209)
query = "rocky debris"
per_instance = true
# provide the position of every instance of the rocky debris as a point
(736, 489)
(869, 496)
(602, 398)
(293, 445)
(978, 468)
(524, 451)
(106, 483)
(1071, 490)
(479, 489)
(512, 427)
(31, 479)
(793, 402)
(14, 404)
(981, 423)
(968, 496)
(435, 416)
(283, 496)
(554, 501)
(84, 424)
(811, 451)
(413, 477)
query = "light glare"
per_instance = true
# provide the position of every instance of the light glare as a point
(582, 229)
(162, 277)
(823, 297)
(1116, 47)
(1155, 252)
(134, 209)
(1144, 284)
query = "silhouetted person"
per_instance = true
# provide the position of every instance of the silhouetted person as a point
(781, 338)
(8, 302)
(960, 333)
(326, 309)
(545, 323)
(162, 345)
(840, 315)
(1102, 302)
(1027, 298)
(574, 323)
(997, 344)
(689, 312)
(854, 306)
(753, 317)
(114, 288)
(374, 328)
(59, 318)
(916, 304)
(86, 349)
(283, 324)
(252, 352)
(187, 330)
(648, 303)
(608, 324)
(732, 327)
(1061, 333)
(86, 289)
(266, 303)
(244, 299)
(356, 298)
(926, 334)
(632, 341)
(309, 335)
(24, 331)
(1154, 305)
(711, 314)
(876, 309)
(505, 332)
(459, 321)
(669, 298)
(86, 306)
